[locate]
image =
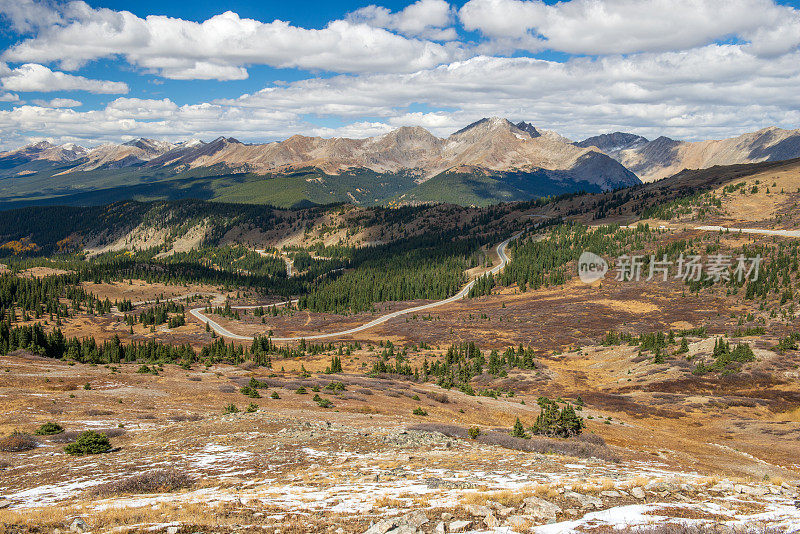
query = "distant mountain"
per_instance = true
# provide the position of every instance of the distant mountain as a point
(662, 157)
(518, 160)
(613, 143)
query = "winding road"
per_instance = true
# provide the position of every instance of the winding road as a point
(219, 329)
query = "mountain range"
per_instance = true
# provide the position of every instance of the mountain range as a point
(488, 161)
(662, 157)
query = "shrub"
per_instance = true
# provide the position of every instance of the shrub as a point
(275, 395)
(419, 411)
(473, 432)
(335, 387)
(89, 442)
(553, 422)
(323, 402)
(301, 391)
(49, 429)
(160, 481)
(18, 442)
(87, 386)
(250, 392)
(230, 408)
(251, 408)
(518, 431)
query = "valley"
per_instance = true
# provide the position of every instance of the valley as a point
(377, 384)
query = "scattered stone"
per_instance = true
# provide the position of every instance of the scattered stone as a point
(78, 525)
(459, 526)
(541, 509)
(610, 494)
(491, 521)
(477, 510)
(722, 487)
(172, 530)
(638, 493)
(408, 523)
(586, 501)
(519, 523)
(4, 503)
(502, 511)
(447, 516)
(440, 528)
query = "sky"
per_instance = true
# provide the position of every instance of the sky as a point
(111, 71)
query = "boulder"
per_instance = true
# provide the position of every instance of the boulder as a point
(477, 510)
(78, 525)
(638, 493)
(408, 523)
(491, 520)
(541, 509)
(586, 501)
(459, 526)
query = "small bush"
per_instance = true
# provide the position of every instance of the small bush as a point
(251, 408)
(301, 391)
(230, 408)
(160, 481)
(473, 432)
(275, 395)
(323, 402)
(250, 392)
(419, 411)
(18, 442)
(89, 442)
(49, 429)
(335, 387)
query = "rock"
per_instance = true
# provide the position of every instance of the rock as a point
(440, 528)
(4, 503)
(586, 501)
(610, 494)
(477, 510)
(520, 523)
(446, 516)
(491, 521)
(758, 491)
(638, 492)
(722, 487)
(172, 530)
(541, 509)
(502, 511)
(78, 525)
(408, 523)
(459, 526)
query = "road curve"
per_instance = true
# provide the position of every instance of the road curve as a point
(501, 253)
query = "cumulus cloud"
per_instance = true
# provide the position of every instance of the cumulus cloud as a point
(222, 46)
(598, 27)
(58, 103)
(682, 68)
(35, 77)
(425, 18)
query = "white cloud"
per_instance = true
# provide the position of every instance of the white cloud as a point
(9, 97)
(619, 26)
(58, 103)
(34, 77)
(425, 18)
(222, 46)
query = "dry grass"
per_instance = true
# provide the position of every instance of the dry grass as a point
(587, 446)
(161, 481)
(18, 442)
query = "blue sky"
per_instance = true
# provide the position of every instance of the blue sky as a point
(260, 71)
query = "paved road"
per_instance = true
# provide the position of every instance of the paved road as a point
(784, 233)
(501, 253)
